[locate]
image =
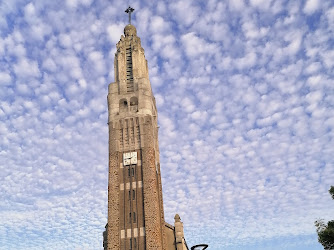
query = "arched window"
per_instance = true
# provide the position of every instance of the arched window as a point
(123, 105)
(134, 104)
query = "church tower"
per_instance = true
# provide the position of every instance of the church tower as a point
(135, 207)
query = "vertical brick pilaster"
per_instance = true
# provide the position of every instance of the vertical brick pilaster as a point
(162, 223)
(113, 192)
(151, 191)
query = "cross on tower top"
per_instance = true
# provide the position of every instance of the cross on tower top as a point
(129, 11)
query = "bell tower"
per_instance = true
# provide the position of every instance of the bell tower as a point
(135, 206)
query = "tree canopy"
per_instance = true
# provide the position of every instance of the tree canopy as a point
(326, 232)
(331, 191)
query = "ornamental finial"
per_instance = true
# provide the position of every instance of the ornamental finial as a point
(129, 11)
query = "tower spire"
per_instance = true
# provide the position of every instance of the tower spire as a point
(129, 10)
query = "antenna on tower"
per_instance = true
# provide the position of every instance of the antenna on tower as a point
(129, 11)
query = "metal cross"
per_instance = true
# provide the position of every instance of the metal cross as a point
(129, 11)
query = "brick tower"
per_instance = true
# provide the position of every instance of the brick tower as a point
(135, 206)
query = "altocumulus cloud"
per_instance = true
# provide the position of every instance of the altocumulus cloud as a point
(245, 98)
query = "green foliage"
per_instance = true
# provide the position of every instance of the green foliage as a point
(326, 232)
(331, 191)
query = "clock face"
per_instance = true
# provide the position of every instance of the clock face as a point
(129, 158)
(134, 158)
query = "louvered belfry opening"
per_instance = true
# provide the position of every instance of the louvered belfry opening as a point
(129, 73)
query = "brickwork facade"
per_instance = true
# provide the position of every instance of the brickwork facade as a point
(151, 190)
(135, 203)
(113, 192)
(135, 206)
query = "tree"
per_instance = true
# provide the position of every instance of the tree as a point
(331, 191)
(326, 232)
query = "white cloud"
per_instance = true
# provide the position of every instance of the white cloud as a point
(328, 59)
(313, 68)
(159, 41)
(253, 32)
(159, 100)
(330, 17)
(294, 45)
(49, 64)
(86, 2)
(65, 40)
(23, 89)
(236, 4)
(26, 68)
(39, 31)
(143, 19)
(247, 61)
(98, 105)
(158, 25)
(199, 116)
(261, 4)
(97, 62)
(114, 32)
(311, 6)
(188, 105)
(5, 78)
(72, 3)
(195, 45)
(185, 11)
(29, 11)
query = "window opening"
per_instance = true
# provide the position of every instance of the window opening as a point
(123, 105)
(129, 73)
(134, 104)
(134, 217)
(133, 194)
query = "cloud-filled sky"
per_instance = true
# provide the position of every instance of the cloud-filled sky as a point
(245, 95)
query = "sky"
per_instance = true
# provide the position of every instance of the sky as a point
(245, 98)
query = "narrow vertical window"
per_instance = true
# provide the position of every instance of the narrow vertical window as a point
(135, 242)
(134, 217)
(130, 244)
(129, 195)
(133, 172)
(129, 73)
(133, 194)
(129, 217)
(129, 171)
